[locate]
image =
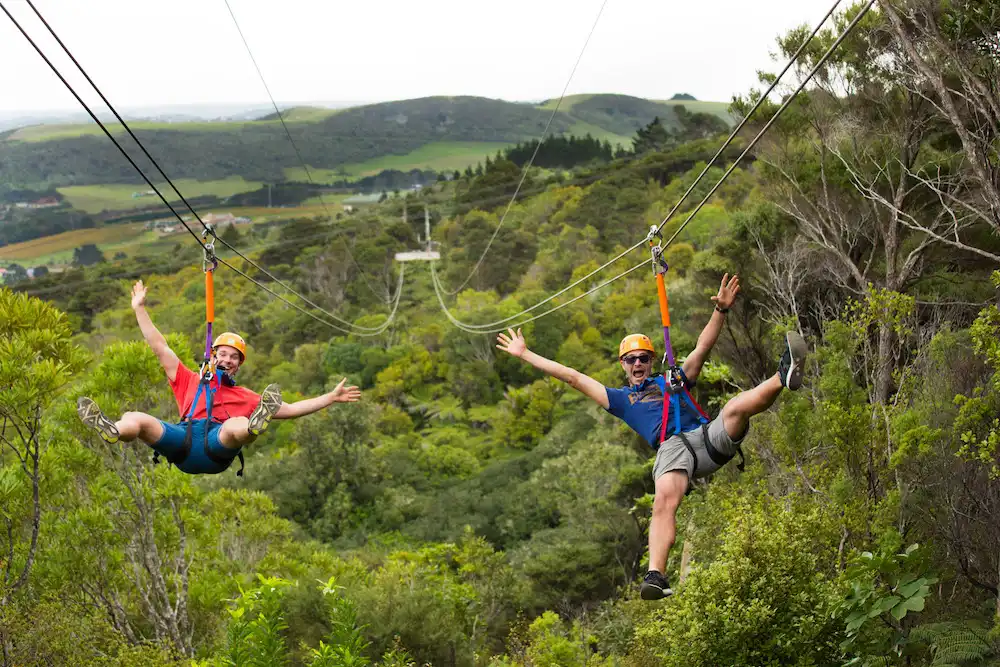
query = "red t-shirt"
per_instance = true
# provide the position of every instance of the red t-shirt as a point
(226, 402)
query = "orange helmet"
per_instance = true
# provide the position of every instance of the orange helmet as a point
(232, 340)
(634, 342)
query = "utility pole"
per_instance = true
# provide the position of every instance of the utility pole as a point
(269, 195)
(429, 252)
(427, 226)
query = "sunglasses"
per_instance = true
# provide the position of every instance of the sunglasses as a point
(644, 358)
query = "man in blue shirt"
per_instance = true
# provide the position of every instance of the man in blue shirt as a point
(689, 445)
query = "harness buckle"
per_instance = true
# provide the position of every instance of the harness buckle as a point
(675, 379)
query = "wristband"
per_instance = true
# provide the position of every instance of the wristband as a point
(721, 310)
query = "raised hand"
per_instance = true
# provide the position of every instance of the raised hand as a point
(342, 394)
(513, 344)
(138, 295)
(727, 291)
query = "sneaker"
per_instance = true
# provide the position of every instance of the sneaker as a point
(92, 416)
(654, 586)
(793, 361)
(270, 402)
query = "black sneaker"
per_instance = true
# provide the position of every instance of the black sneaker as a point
(793, 361)
(654, 586)
(270, 402)
(92, 416)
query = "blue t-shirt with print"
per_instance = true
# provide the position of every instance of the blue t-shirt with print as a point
(641, 407)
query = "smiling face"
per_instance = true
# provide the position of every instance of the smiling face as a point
(638, 366)
(228, 359)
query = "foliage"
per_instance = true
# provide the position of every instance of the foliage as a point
(471, 507)
(885, 588)
(765, 600)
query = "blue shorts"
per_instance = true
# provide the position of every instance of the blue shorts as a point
(198, 462)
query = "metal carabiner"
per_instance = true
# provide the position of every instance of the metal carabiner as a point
(209, 262)
(656, 251)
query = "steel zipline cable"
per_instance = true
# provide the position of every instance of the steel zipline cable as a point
(492, 327)
(387, 298)
(538, 145)
(354, 329)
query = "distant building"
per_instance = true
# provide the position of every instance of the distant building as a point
(356, 200)
(44, 202)
(219, 219)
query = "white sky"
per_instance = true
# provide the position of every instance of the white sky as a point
(165, 52)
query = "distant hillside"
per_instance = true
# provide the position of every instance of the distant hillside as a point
(42, 157)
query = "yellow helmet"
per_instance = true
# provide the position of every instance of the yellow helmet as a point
(634, 342)
(232, 340)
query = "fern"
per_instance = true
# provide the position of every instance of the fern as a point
(956, 644)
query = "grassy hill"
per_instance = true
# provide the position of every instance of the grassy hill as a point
(431, 132)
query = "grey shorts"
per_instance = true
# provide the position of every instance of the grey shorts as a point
(673, 455)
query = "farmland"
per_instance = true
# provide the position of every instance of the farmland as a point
(118, 197)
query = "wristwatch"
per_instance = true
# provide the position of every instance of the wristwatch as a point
(721, 310)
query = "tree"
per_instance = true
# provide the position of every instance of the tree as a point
(948, 58)
(653, 137)
(857, 169)
(87, 255)
(767, 598)
(15, 274)
(37, 360)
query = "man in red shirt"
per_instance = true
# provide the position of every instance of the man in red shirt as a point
(203, 443)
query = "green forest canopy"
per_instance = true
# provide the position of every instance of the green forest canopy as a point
(472, 512)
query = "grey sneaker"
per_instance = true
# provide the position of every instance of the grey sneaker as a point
(654, 586)
(793, 361)
(92, 416)
(270, 402)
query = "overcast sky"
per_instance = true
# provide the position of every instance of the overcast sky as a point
(165, 52)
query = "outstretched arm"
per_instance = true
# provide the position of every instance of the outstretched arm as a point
(706, 341)
(307, 406)
(514, 344)
(155, 340)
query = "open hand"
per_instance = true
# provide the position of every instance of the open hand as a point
(138, 295)
(513, 344)
(727, 291)
(342, 394)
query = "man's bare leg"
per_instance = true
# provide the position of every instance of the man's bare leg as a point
(737, 412)
(670, 488)
(139, 425)
(234, 433)
(239, 431)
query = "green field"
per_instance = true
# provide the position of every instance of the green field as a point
(720, 109)
(36, 133)
(582, 129)
(307, 114)
(130, 238)
(567, 102)
(439, 155)
(118, 197)
(333, 202)
(58, 249)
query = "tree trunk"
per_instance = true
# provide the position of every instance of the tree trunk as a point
(687, 551)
